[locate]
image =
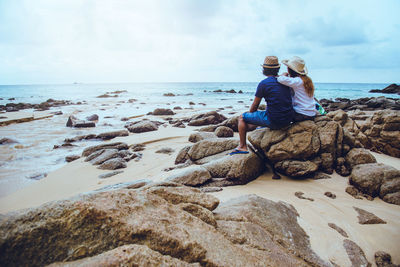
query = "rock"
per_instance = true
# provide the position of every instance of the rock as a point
(93, 117)
(393, 198)
(118, 145)
(183, 155)
(192, 176)
(300, 195)
(168, 94)
(210, 147)
(112, 164)
(327, 162)
(210, 189)
(103, 156)
(74, 122)
(71, 120)
(330, 195)
(365, 217)
(177, 108)
(238, 169)
(223, 131)
(356, 254)
(198, 136)
(376, 179)
(113, 134)
(299, 142)
(359, 156)
(211, 117)
(296, 168)
(165, 150)
(37, 176)
(391, 89)
(338, 229)
(109, 174)
(143, 126)
(71, 158)
(6, 140)
(270, 226)
(163, 111)
(320, 175)
(137, 147)
(383, 259)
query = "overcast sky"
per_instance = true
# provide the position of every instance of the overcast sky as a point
(63, 41)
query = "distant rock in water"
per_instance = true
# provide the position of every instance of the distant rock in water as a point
(76, 123)
(391, 89)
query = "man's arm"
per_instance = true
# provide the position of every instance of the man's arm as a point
(255, 104)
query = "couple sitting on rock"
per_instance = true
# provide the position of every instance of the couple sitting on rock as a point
(289, 98)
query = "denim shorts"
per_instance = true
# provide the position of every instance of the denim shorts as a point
(260, 118)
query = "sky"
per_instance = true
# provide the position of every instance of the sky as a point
(96, 41)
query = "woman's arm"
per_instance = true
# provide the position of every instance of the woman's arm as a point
(256, 103)
(289, 81)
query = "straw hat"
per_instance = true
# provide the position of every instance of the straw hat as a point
(271, 62)
(297, 64)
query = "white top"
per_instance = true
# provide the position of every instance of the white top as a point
(302, 103)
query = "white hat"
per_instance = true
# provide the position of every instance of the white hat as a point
(297, 64)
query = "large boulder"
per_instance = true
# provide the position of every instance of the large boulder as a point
(296, 168)
(382, 132)
(162, 111)
(377, 179)
(192, 176)
(75, 122)
(154, 225)
(254, 221)
(301, 141)
(223, 131)
(113, 134)
(210, 147)
(359, 156)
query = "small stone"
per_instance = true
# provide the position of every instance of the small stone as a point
(300, 195)
(330, 195)
(138, 147)
(165, 150)
(338, 229)
(71, 158)
(112, 164)
(365, 217)
(210, 189)
(37, 176)
(109, 174)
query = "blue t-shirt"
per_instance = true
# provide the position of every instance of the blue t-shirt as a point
(279, 100)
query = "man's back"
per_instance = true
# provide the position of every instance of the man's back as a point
(279, 100)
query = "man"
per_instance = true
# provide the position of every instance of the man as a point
(279, 111)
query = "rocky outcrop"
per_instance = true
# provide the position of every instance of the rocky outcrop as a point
(223, 131)
(355, 253)
(383, 132)
(383, 259)
(139, 225)
(76, 123)
(359, 156)
(198, 136)
(109, 156)
(142, 126)
(162, 111)
(211, 117)
(391, 89)
(42, 106)
(113, 134)
(377, 179)
(216, 167)
(365, 104)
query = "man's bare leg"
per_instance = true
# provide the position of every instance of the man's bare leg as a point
(243, 127)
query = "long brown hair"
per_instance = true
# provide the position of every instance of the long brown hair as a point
(307, 82)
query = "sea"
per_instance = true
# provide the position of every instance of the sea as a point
(33, 156)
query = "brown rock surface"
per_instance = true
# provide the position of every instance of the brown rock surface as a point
(142, 126)
(383, 259)
(89, 150)
(223, 131)
(338, 229)
(359, 156)
(198, 136)
(296, 168)
(377, 179)
(365, 217)
(356, 254)
(162, 111)
(210, 147)
(154, 225)
(191, 176)
(211, 117)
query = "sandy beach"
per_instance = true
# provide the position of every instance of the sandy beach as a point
(80, 177)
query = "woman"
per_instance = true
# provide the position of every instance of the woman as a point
(304, 103)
